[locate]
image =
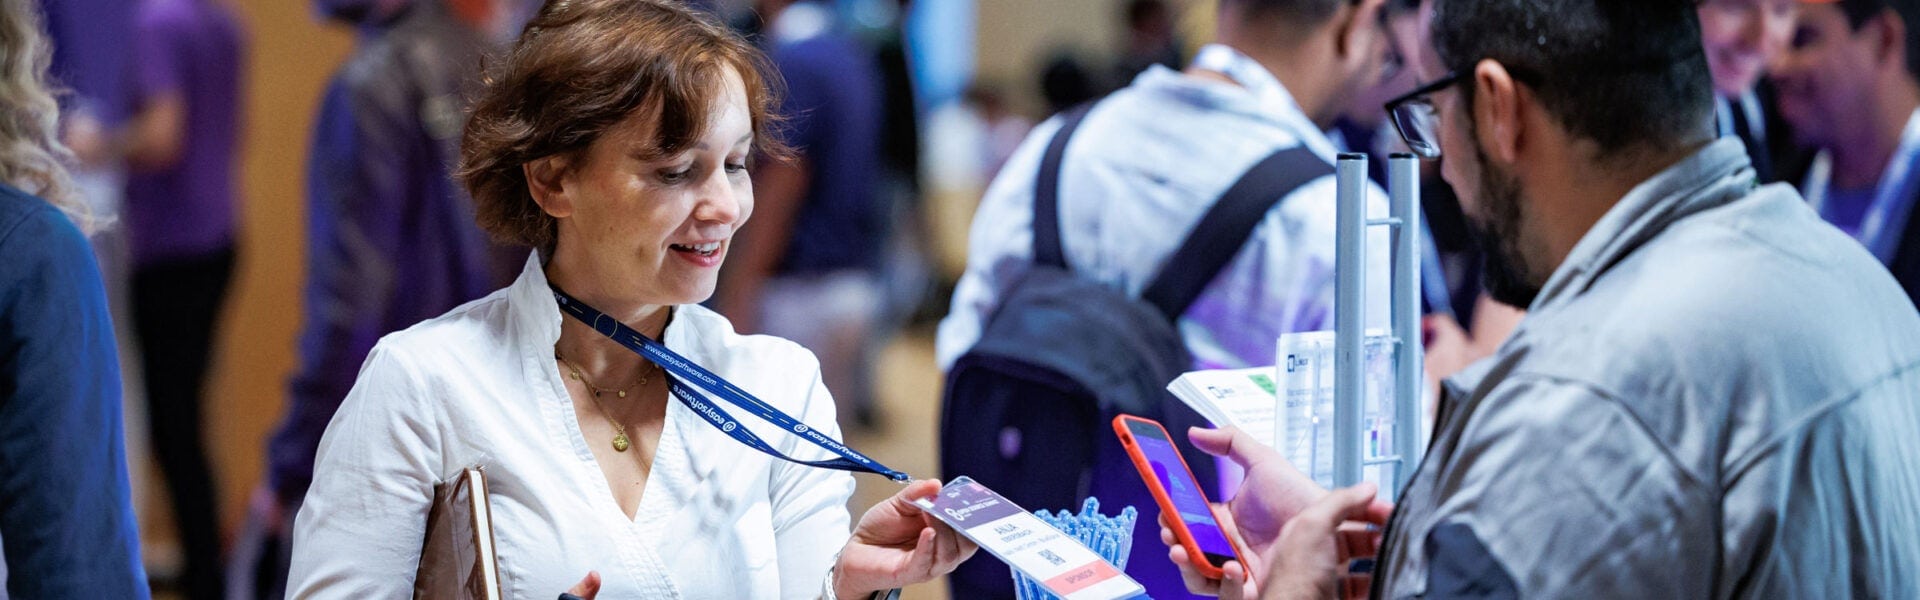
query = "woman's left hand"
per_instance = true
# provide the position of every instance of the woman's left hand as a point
(896, 544)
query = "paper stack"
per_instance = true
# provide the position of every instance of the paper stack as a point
(1289, 406)
(1242, 398)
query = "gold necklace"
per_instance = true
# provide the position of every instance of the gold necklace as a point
(620, 440)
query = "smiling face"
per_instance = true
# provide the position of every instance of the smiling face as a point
(653, 229)
(1741, 37)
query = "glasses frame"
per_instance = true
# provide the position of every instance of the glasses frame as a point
(1428, 149)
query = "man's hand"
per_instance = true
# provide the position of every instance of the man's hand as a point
(1310, 559)
(1272, 493)
(1235, 583)
(896, 544)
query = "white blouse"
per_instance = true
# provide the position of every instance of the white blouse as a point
(478, 386)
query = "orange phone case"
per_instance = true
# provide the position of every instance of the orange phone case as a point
(1160, 497)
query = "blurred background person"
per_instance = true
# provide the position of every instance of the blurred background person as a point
(907, 271)
(1851, 88)
(96, 75)
(1004, 129)
(809, 268)
(1741, 38)
(1149, 40)
(1066, 81)
(179, 146)
(390, 234)
(66, 515)
(99, 80)
(1462, 324)
(1143, 168)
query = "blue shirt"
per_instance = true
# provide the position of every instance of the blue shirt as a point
(66, 517)
(832, 107)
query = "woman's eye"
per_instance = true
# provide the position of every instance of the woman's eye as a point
(737, 167)
(675, 176)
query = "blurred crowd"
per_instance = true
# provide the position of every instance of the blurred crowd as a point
(853, 242)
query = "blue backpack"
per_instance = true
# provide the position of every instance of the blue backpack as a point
(1028, 408)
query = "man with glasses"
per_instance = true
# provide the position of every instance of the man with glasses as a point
(1713, 394)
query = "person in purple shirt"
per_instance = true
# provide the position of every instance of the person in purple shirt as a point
(179, 149)
(391, 238)
(96, 74)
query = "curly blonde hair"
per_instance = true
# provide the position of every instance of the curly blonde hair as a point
(31, 155)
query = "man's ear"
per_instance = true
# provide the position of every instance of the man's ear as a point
(548, 183)
(1496, 111)
(1360, 33)
(1889, 33)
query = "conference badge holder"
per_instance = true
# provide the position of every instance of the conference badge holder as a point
(1063, 565)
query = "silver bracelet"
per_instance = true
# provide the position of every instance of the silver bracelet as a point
(826, 591)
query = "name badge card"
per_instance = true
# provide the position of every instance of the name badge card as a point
(1062, 564)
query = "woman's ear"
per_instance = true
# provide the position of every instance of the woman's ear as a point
(547, 180)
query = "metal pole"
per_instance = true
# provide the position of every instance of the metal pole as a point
(1349, 329)
(1403, 185)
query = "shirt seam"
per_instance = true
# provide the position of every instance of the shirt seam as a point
(1822, 410)
(1612, 400)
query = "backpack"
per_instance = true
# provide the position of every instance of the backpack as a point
(1028, 408)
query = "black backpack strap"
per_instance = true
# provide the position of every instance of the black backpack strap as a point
(1046, 191)
(1225, 228)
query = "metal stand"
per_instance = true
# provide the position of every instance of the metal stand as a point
(1349, 357)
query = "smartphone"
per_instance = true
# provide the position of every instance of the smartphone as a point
(1166, 474)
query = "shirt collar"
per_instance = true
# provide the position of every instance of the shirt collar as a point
(530, 303)
(1715, 175)
(1271, 98)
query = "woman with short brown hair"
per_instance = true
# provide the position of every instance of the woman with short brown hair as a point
(614, 139)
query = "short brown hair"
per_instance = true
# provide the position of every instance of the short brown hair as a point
(583, 66)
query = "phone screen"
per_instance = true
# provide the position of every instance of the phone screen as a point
(1187, 496)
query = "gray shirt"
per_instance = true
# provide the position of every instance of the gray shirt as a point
(1716, 395)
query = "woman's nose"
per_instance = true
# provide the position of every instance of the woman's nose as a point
(719, 201)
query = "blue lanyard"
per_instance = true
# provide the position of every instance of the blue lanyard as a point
(1881, 227)
(680, 369)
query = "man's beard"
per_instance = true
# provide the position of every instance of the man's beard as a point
(1507, 277)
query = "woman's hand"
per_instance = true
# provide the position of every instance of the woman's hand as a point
(896, 544)
(588, 587)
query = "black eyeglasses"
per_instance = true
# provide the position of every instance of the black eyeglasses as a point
(1415, 118)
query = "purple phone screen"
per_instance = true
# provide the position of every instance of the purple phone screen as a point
(1187, 496)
